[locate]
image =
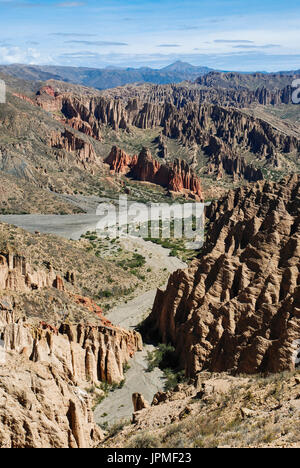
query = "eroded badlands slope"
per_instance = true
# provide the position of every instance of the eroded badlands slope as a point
(238, 307)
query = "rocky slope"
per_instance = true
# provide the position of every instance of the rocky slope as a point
(41, 156)
(176, 177)
(85, 353)
(218, 411)
(54, 342)
(42, 408)
(18, 275)
(237, 307)
(44, 372)
(250, 81)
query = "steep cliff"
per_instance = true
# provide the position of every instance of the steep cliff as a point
(16, 274)
(176, 176)
(42, 408)
(84, 152)
(85, 353)
(237, 307)
(225, 134)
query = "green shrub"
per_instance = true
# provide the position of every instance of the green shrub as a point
(163, 357)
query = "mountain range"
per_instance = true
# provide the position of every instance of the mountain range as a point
(107, 77)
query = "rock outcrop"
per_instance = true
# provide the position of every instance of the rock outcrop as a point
(190, 116)
(237, 308)
(119, 161)
(224, 89)
(176, 176)
(16, 274)
(85, 353)
(84, 152)
(43, 374)
(40, 407)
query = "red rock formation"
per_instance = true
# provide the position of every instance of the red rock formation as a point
(47, 90)
(176, 176)
(92, 307)
(119, 161)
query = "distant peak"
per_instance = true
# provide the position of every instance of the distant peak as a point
(180, 66)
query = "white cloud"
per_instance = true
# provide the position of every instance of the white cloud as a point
(13, 54)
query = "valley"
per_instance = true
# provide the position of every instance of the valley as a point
(144, 342)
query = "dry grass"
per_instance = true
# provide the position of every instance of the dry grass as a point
(218, 420)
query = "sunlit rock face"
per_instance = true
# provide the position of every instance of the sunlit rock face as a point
(237, 307)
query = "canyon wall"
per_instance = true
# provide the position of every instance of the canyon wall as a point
(237, 308)
(42, 405)
(44, 374)
(41, 408)
(16, 274)
(86, 353)
(85, 154)
(223, 133)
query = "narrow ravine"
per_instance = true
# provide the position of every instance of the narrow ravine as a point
(118, 405)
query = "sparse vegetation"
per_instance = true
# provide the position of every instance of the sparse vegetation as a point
(218, 420)
(144, 441)
(164, 357)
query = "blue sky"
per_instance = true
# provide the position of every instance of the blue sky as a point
(223, 34)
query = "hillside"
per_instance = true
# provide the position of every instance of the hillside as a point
(237, 307)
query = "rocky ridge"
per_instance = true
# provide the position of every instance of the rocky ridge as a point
(237, 307)
(176, 177)
(223, 133)
(70, 143)
(85, 353)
